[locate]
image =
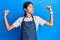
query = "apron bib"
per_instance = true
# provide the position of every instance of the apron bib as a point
(28, 30)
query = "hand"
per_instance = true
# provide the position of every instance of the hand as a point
(6, 12)
(50, 9)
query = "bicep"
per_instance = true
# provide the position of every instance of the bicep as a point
(11, 27)
(43, 22)
(47, 23)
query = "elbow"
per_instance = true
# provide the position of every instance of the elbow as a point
(8, 29)
(51, 24)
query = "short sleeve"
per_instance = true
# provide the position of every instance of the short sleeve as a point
(40, 20)
(17, 23)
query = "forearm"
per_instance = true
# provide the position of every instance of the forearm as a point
(6, 22)
(50, 23)
(51, 18)
(9, 27)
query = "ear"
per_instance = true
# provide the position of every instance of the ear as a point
(25, 9)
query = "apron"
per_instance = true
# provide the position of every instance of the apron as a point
(28, 30)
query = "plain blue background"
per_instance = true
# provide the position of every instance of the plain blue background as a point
(16, 11)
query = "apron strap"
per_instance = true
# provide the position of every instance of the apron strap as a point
(24, 18)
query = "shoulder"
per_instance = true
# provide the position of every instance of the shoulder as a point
(36, 17)
(20, 18)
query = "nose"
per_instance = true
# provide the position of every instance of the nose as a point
(32, 9)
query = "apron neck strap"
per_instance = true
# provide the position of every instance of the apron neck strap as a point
(24, 18)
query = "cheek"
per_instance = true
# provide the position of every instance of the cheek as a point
(30, 10)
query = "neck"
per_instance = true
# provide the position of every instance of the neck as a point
(28, 15)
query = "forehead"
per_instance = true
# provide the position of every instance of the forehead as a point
(30, 5)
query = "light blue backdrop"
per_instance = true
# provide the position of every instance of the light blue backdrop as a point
(16, 11)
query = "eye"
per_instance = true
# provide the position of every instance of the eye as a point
(30, 6)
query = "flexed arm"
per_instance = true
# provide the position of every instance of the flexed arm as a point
(9, 27)
(50, 23)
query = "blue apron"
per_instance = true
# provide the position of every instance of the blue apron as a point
(28, 30)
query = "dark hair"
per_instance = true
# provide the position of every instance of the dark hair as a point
(25, 5)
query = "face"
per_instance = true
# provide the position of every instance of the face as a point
(29, 9)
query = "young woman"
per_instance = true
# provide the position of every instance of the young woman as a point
(28, 23)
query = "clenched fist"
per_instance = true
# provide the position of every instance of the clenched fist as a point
(6, 12)
(50, 9)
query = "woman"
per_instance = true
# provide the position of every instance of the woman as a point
(28, 23)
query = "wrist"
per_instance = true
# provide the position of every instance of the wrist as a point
(5, 16)
(51, 12)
